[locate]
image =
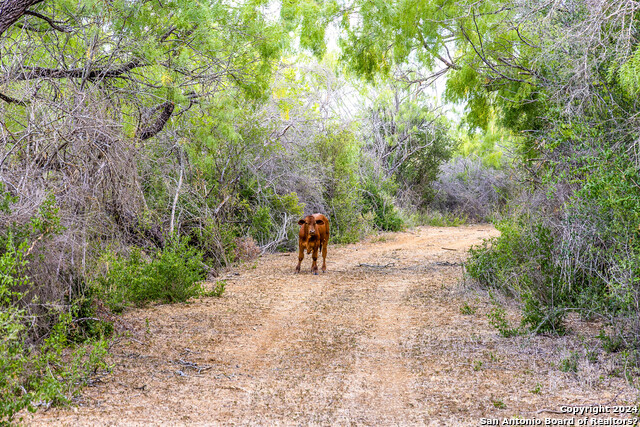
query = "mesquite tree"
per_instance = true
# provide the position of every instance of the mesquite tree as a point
(100, 104)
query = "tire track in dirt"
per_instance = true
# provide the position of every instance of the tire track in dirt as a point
(378, 340)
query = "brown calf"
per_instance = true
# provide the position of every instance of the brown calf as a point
(314, 235)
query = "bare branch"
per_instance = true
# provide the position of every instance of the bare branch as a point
(11, 100)
(49, 21)
(175, 199)
(74, 73)
(153, 129)
(449, 64)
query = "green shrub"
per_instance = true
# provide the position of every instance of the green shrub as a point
(267, 211)
(49, 374)
(44, 223)
(261, 222)
(540, 318)
(552, 273)
(216, 241)
(520, 263)
(58, 369)
(499, 404)
(537, 389)
(467, 310)
(611, 343)
(338, 151)
(171, 275)
(216, 291)
(175, 273)
(88, 323)
(113, 285)
(498, 320)
(490, 262)
(386, 215)
(570, 363)
(12, 331)
(517, 262)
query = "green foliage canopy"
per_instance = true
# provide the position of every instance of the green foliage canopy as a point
(142, 54)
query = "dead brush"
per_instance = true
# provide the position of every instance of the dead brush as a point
(73, 155)
(466, 187)
(246, 249)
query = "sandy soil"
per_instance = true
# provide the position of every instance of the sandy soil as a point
(378, 340)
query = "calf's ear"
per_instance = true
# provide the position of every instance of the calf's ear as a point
(301, 222)
(319, 222)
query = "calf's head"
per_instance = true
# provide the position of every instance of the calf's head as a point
(309, 224)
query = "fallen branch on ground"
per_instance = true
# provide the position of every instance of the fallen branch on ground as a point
(391, 264)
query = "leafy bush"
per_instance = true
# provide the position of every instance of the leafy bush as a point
(541, 318)
(570, 363)
(467, 310)
(585, 259)
(519, 262)
(49, 374)
(270, 217)
(216, 291)
(12, 329)
(611, 343)
(216, 241)
(172, 275)
(498, 320)
(338, 152)
(386, 216)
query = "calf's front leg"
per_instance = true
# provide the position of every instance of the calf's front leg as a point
(314, 266)
(300, 257)
(324, 257)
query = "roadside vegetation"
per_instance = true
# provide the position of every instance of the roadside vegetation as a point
(144, 147)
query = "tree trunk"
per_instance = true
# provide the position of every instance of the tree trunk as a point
(12, 10)
(146, 131)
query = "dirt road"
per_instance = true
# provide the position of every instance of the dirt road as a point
(379, 340)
